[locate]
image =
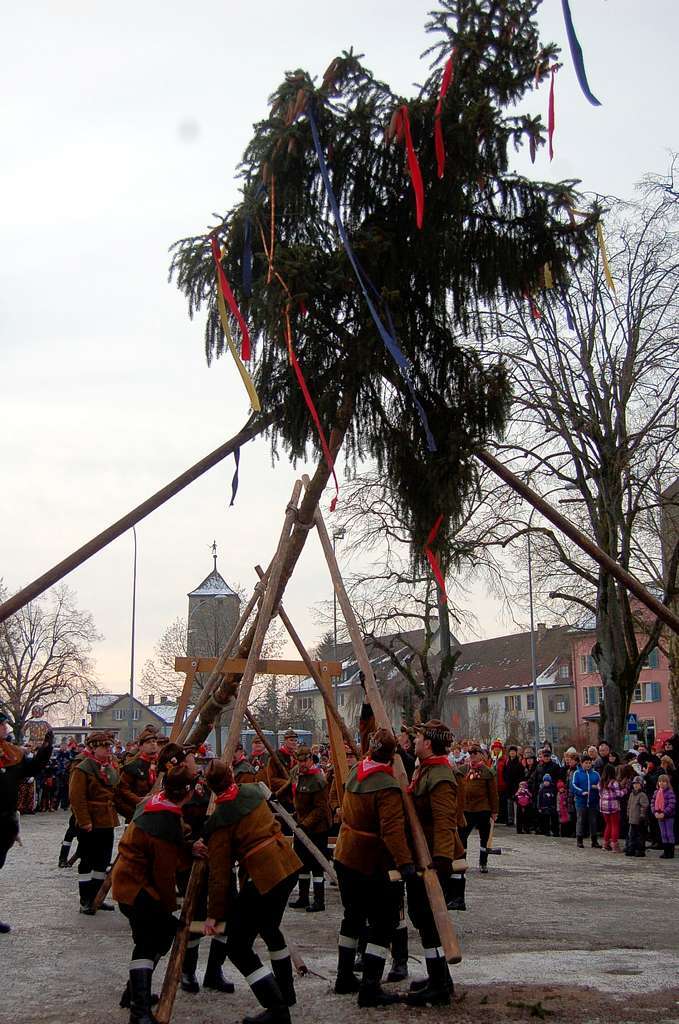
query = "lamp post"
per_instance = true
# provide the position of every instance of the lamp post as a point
(338, 534)
(130, 729)
(533, 657)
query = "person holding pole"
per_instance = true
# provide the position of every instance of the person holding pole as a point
(150, 854)
(435, 795)
(92, 794)
(138, 775)
(243, 830)
(372, 840)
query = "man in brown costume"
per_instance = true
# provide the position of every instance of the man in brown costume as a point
(243, 830)
(151, 852)
(281, 784)
(372, 840)
(138, 775)
(91, 791)
(243, 770)
(312, 810)
(435, 796)
(481, 802)
(14, 768)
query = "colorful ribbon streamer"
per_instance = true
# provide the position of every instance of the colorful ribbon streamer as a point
(364, 281)
(552, 122)
(310, 405)
(224, 288)
(438, 130)
(413, 167)
(576, 54)
(432, 559)
(604, 257)
(234, 482)
(245, 376)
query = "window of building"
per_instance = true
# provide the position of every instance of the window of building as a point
(513, 702)
(647, 730)
(558, 704)
(555, 733)
(340, 698)
(564, 671)
(530, 702)
(483, 705)
(652, 659)
(593, 694)
(305, 703)
(123, 714)
(587, 664)
(645, 693)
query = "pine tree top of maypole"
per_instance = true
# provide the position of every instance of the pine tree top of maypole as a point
(485, 238)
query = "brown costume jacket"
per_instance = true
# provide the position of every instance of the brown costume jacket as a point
(280, 786)
(312, 807)
(136, 781)
(91, 789)
(480, 790)
(153, 849)
(435, 795)
(372, 836)
(245, 831)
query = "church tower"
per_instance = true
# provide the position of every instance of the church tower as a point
(214, 609)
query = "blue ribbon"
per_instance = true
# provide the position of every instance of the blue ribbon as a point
(387, 336)
(247, 256)
(576, 54)
(234, 482)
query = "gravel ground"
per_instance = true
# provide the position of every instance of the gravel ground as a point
(553, 933)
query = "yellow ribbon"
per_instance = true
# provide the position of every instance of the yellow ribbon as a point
(245, 376)
(604, 257)
(549, 279)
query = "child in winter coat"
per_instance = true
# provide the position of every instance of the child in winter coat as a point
(524, 808)
(637, 812)
(585, 786)
(547, 813)
(562, 808)
(664, 806)
(610, 795)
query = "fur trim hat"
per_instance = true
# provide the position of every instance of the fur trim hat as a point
(304, 751)
(99, 739)
(149, 732)
(435, 729)
(290, 734)
(171, 756)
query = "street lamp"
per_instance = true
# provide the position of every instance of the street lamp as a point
(338, 534)
(533, 658)
(134, 610)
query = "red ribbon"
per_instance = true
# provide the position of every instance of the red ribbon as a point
(228, 295)
(229, 794)
(368, 767)
(551, 125)
(311, 407)
(431, 557)
(159, 802)
(413, 167)
(438, 130)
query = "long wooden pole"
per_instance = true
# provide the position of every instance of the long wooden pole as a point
(322, 684)
(444, 925)
(254, 426)
(169, 990)
(270, 750)
(632, 584)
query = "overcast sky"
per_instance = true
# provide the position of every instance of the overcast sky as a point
(122, 125)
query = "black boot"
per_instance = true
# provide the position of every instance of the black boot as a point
(140, 995)
(360, 953)
(189, 981)
(281, 965)
(399, 955)
(580, 843)
(214, 978)
(346, 982)
(63, 855)
(302, 901)
(125, 998)
(371, 993)
(270, 997)
(439, 985)
(455, 891)
(595, 844)
(319, 897)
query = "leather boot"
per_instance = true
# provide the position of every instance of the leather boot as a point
(399, 955)
(269, 995)
(360, 953)
(302, 901)
(64, 854)
(439, 984)
(214, 978)
(346, 982)
(371, 993)
(189, 981)
(140, 995)
(126, 999)
(281, 965)
(595, 844)
(319, 897)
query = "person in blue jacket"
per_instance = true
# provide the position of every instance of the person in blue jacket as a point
(585, 787)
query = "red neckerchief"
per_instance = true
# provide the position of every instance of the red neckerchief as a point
(288, 753)
(151, 761)
(313, 770)
(238, 759)
(102, 766)
(368, 767)
(229, 794)
(427, 762)
(159, 802)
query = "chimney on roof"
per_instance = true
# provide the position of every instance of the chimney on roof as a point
(542, 629)
(152, 699)
(164, 699)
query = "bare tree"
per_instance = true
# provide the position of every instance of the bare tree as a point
(158, 673)
(45, 657)
(484, 722)
(596, 383)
